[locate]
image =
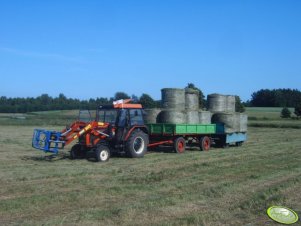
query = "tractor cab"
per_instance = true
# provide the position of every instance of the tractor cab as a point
(121, 114)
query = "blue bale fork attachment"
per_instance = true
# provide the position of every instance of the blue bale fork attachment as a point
(47, 141)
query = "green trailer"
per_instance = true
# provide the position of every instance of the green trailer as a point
(181, 129)
(201, 135)
(179, 135)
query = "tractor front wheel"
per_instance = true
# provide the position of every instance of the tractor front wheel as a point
(136, 146)
(76, 152)
(102, 153)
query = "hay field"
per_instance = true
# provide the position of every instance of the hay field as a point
(231, 186)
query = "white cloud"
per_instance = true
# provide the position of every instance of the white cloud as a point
(52, 56)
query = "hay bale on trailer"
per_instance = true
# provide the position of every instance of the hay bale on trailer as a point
(205, 117)
(192, 99)
(243, 122)
(172, 116)
(217, 102)
(173, 99)
(151, 115)
(192, 117)
(230, 103)
(230, 120)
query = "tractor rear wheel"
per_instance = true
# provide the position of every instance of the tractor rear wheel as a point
(102, 153)
(205, 143)
(136, 145)
(180, 145)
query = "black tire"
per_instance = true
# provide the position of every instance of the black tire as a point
(238, 144)
(102, 153)
(76, 152)
(136, 145)
(180, 145)
(226, 145)
(205, 143)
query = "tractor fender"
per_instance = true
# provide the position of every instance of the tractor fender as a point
(142, 128)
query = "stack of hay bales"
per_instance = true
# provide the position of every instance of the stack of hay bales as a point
(173, 106)
(181, 106)
(192, 106)
(223, 109)
(221, 103)
(151, 115)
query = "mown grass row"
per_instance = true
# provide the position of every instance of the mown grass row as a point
(221, 187)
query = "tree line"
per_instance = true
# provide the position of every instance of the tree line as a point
(45, 102)
(276, 98)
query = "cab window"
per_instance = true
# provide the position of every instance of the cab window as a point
(122, 118)
(107, 116)
(136, 117)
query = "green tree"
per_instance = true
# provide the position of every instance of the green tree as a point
(276, 98)
(239, 107)
(298, 110)
(285, 113)
(147, 101)
(202, 100)
(121, 95)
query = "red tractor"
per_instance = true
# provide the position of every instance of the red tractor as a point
(116, 128)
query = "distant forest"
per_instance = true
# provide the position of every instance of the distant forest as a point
(261, 98)
(48, 103)
(276, 98)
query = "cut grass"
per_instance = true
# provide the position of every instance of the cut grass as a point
(270, 118)
(221, 187)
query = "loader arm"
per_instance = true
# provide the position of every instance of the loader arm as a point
(52, 141)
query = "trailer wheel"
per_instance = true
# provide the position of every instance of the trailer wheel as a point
(76, 152)
(136, 146)
(205, 143)
(238, 144)
(226, 145)
(180, 145)
(102, 153)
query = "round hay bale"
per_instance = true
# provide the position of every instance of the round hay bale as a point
(192, 117)
(173, 98)
(230, 120)
(243, 123)
(205, 117)
(172, 116)
(192, 99)
(230, 105)
(151, 115)
(217, 102)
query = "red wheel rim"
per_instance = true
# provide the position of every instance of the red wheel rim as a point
(181, 146)
(206, 144)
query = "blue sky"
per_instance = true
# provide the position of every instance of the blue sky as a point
(88, 49)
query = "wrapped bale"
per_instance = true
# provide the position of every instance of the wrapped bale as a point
(192, 117)
(192, 99)
(151, 115)
(172, 116)
(230, 103)
(205, 117)
(230, 120)
(243, 123)
(173, 99)
(217, 102)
